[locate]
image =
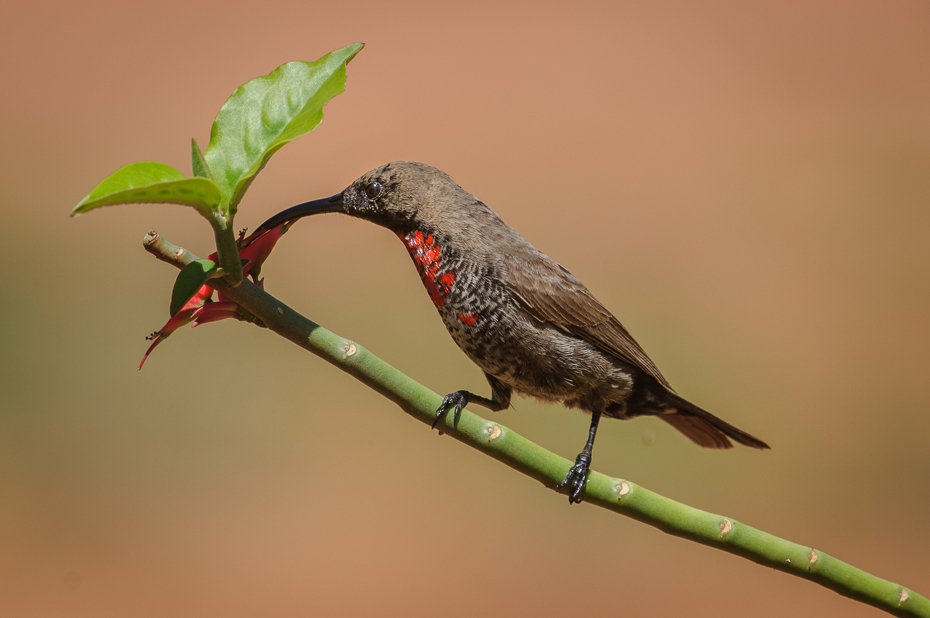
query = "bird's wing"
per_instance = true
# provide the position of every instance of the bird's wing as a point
(550, 293)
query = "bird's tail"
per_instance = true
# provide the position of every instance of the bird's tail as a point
(703, 428)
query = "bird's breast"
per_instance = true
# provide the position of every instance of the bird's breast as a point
(450, 283)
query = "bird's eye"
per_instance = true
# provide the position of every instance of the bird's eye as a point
(373, 190)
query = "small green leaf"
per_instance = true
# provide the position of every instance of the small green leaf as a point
(198, 164)
(191, 278)
(154, 183)
(266, 113)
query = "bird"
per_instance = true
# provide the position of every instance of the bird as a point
(530, 325)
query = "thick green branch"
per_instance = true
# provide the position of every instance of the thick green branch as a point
(519, 453)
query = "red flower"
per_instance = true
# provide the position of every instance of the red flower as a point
(201, 308)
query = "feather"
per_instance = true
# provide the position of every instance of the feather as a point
(549, 293)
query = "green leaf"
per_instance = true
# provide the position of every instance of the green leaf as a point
(198, 164)
(154, 183)
(191, 278)
(266, 113)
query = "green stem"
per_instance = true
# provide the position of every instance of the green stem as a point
(227, 249)
(501, 443)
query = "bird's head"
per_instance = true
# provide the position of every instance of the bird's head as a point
(396, 196)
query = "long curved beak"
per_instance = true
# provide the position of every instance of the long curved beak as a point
(316, 207)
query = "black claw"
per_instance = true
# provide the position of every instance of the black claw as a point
(577, 478)
(459, 399)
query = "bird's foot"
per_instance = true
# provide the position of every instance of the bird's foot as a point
(458, 399)
(577, 478)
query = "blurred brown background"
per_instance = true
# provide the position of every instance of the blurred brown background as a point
(747, 188)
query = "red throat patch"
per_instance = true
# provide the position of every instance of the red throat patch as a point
(426, 256)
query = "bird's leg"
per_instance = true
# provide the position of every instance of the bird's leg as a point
(577, 476)
(500, 400)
